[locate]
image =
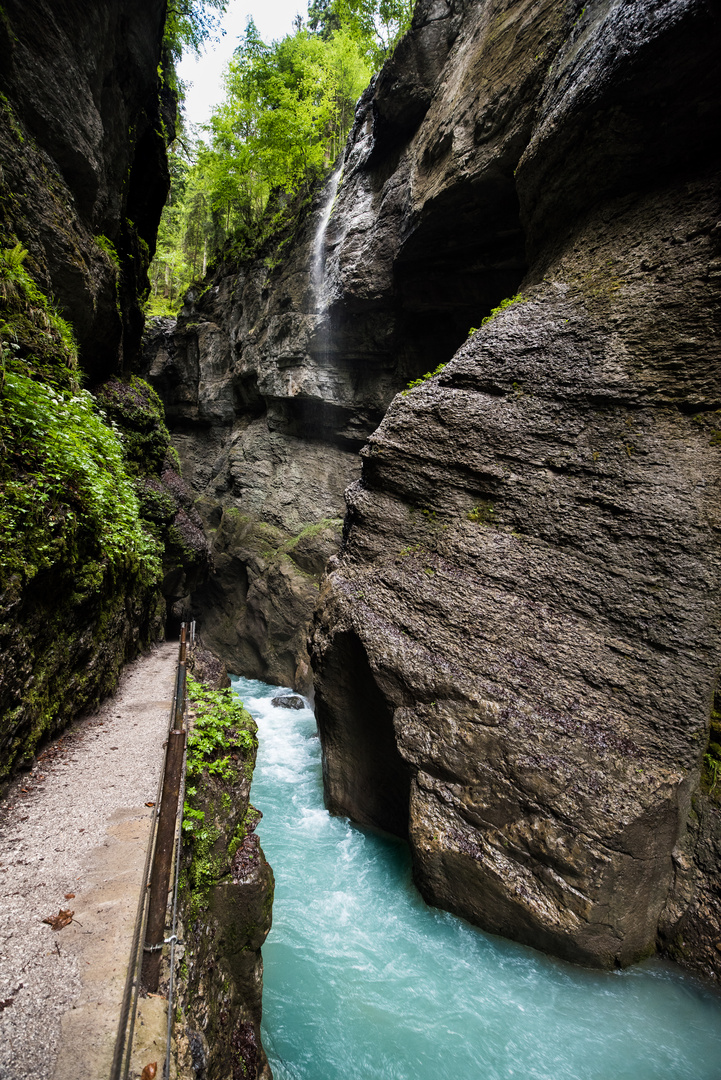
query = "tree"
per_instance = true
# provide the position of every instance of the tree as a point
(375, 24)
(190, 23)
(287, 108)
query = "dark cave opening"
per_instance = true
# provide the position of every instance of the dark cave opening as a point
(364, 774)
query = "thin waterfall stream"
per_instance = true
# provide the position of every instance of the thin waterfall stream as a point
(364, 981)
(317, 268)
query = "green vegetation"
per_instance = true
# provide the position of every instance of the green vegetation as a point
(424, 378)
(517, 299)
(64, 484)
(108, 247)
(222, 725)
(35, 338)
(375, 24)
(481, 514)
(221, 751)
(78, 563)
(66, 494)
(712, 757)
(189, 24)
(137, 413)
(287, 109)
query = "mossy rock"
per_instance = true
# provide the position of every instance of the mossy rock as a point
(137, 411)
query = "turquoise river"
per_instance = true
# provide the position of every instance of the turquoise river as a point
(363, 981)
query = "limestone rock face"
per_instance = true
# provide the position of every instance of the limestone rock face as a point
(83, 156)
(225, 906)
(516, 652)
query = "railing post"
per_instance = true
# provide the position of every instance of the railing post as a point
(180, 682)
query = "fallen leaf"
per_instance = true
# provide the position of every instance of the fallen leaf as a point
(69, 895)
(149, 1071)
(150, 804)
(117, 748)
(63, 918)
(8, 1001)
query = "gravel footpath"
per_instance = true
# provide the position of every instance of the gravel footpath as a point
(78, 824)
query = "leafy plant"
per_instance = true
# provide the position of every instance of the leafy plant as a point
(108, 247)
(424, 378)
(504, 304)
(65, 487)
(714, 768)
(375, 24)
(221, 722)
(45, 341)
(287, 109)
(481, 514)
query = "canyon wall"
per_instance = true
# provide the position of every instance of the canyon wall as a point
(516, 649)
(84, 118)
(516, 652)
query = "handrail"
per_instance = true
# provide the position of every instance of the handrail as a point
(144, 964)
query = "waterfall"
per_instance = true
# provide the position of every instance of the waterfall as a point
(317, 267)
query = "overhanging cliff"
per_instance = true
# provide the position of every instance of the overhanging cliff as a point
(527, 598)
(91, 515)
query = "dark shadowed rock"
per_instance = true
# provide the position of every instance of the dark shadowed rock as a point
(291, 701)
(83, 160)
(83, 178)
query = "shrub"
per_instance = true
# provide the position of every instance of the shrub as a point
(65, 489)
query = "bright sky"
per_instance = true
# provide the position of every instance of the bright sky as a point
(274, 19)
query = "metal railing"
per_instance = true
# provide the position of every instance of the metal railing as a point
(165, 837)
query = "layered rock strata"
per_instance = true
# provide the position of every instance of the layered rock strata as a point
(83, 123)
(516, 652)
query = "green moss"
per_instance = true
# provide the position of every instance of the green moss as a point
(66, 495)
(108, 249)
(313, 529)
(79, 574)
(34, 338)
(137, 411)
(244, 827)
(221, 751)
(503, 306)
(482, 514)
(6, 107)
(711, 772)
(156, 503)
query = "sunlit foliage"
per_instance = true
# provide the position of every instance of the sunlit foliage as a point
(287, 109)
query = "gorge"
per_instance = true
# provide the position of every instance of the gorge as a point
(442, 455)
(515, 647)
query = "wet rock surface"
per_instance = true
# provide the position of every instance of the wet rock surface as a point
(516, 652)
(291, 701)
(226, 901)
(83, 178)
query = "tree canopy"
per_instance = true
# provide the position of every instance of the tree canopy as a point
(287, 108)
